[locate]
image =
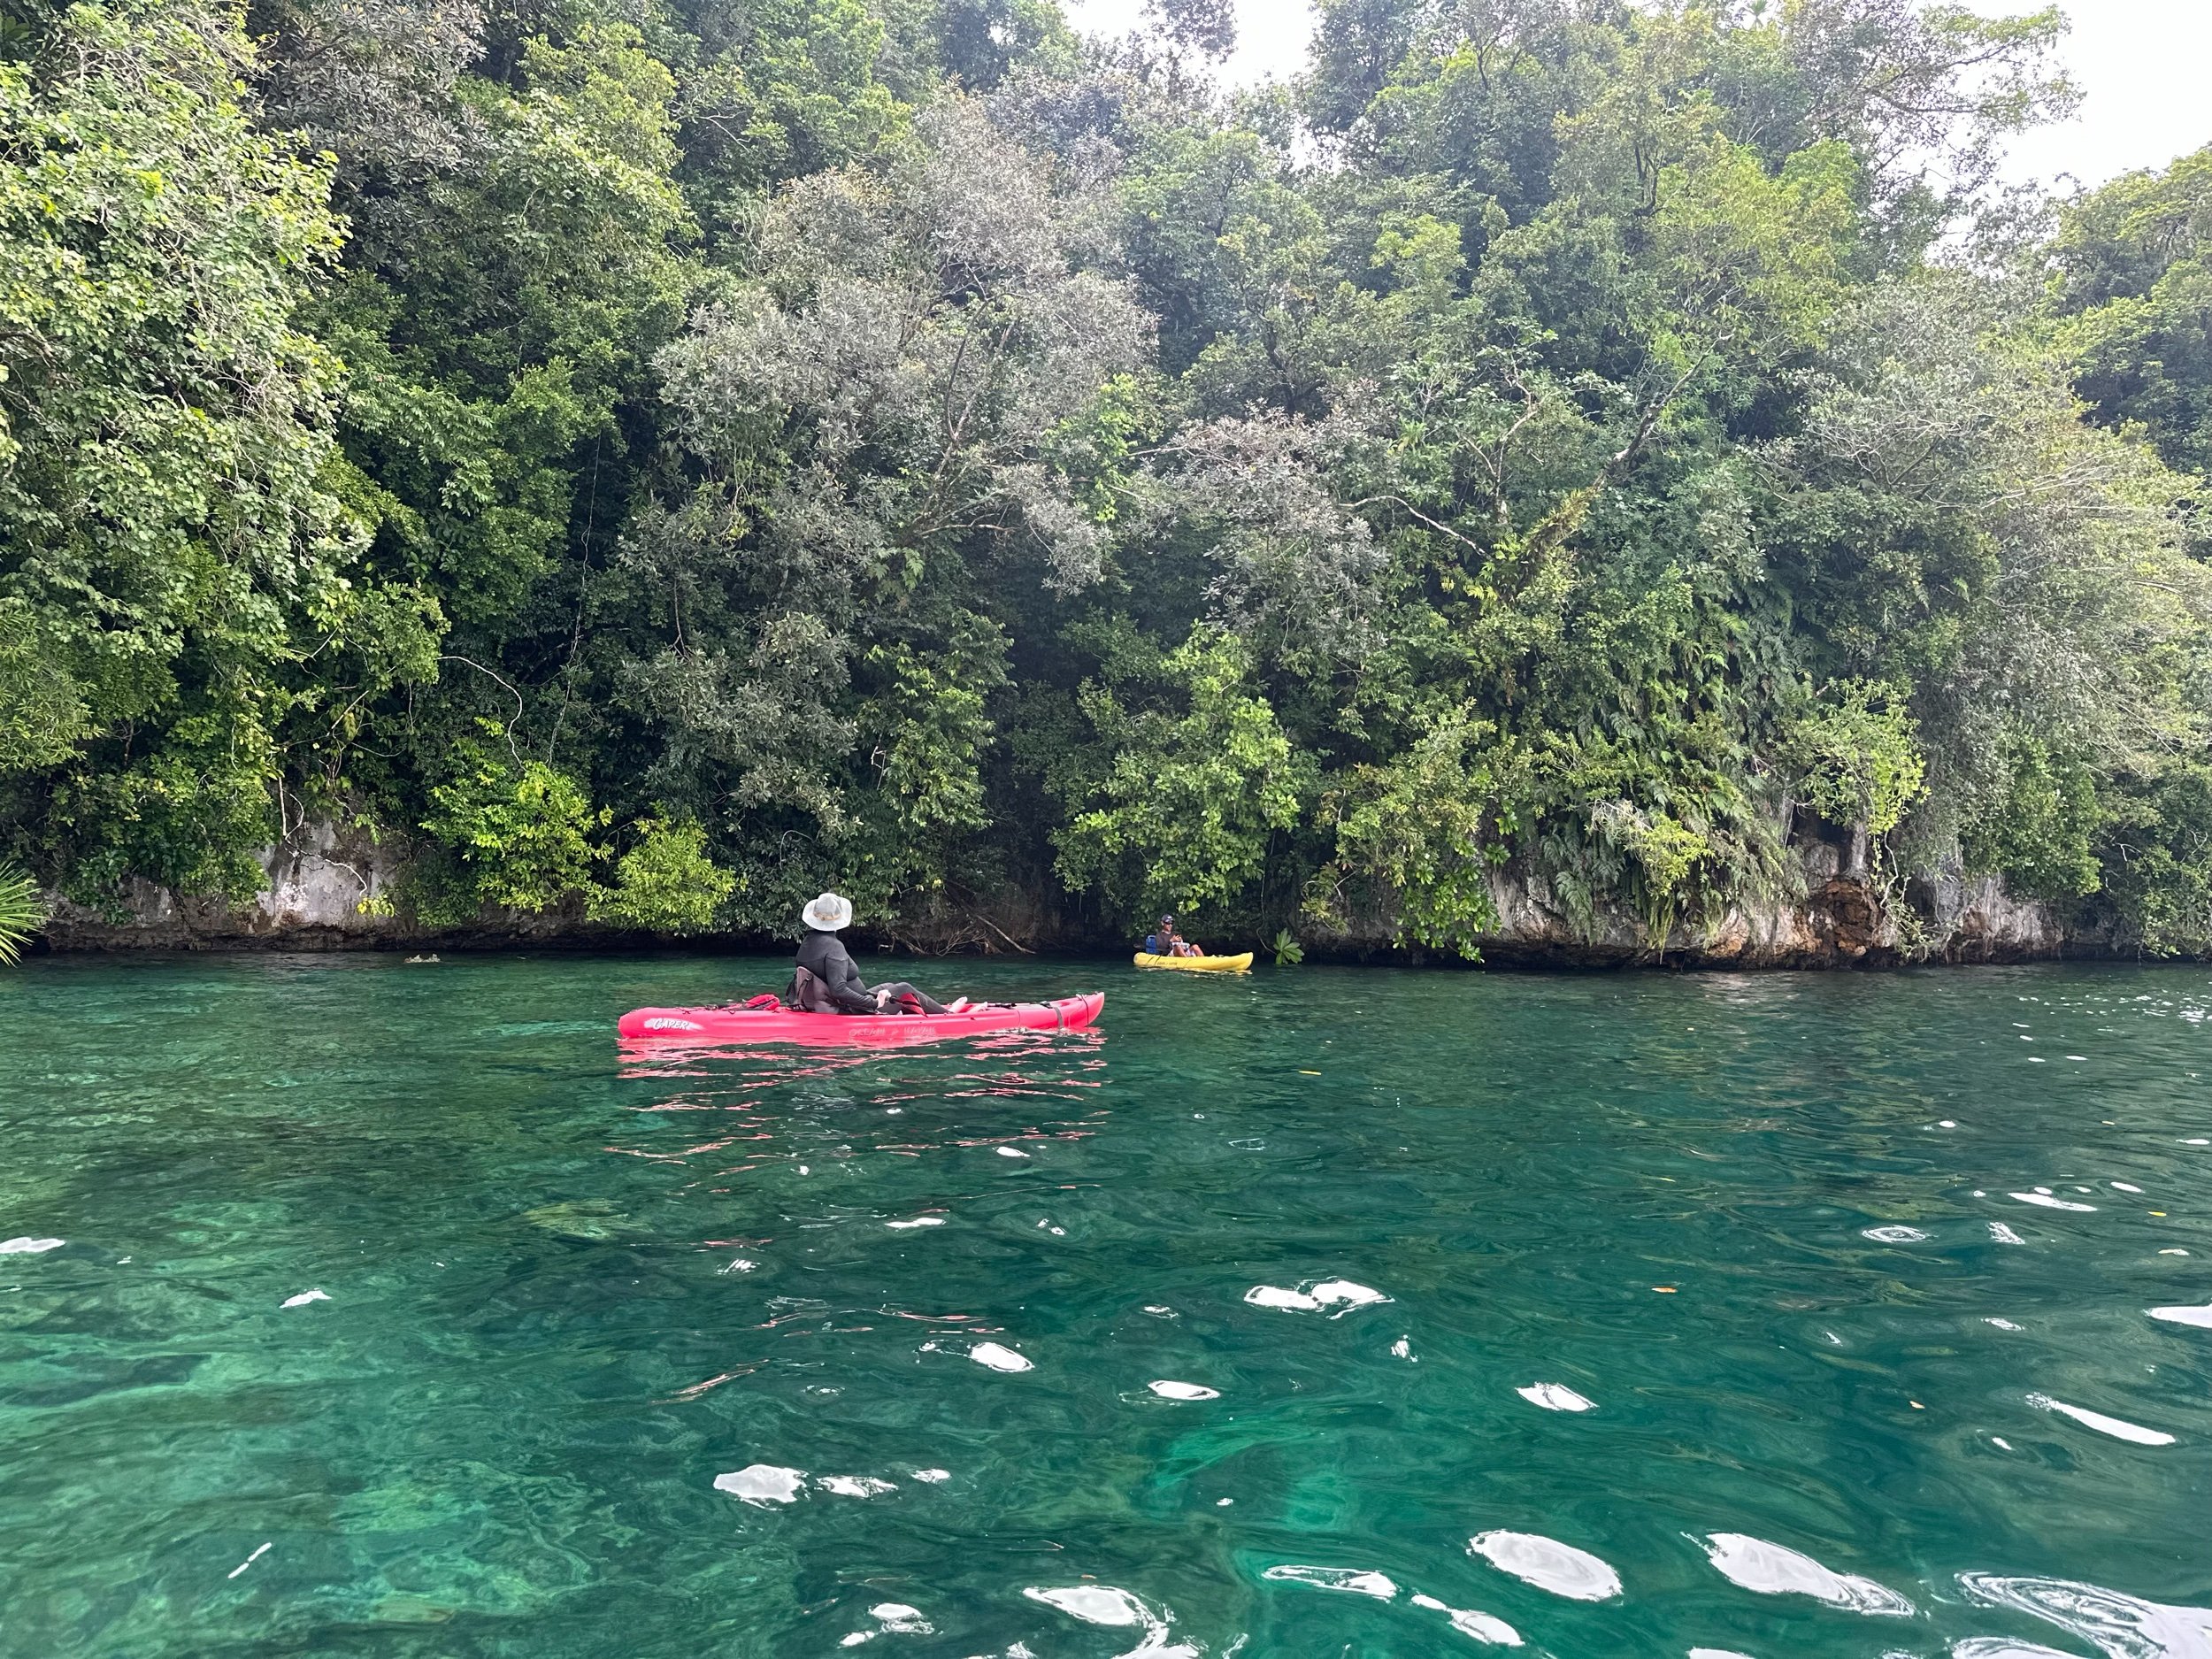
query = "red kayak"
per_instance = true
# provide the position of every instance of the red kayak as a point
(698, 1025)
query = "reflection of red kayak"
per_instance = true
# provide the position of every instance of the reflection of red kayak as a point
(695, 1025)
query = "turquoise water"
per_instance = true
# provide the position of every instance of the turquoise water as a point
(562, 1294)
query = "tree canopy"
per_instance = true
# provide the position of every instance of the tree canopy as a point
(664, 458)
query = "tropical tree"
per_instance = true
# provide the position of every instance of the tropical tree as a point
(175, 546)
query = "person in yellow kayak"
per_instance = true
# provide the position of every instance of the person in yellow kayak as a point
(1163, 941)
(826, 982)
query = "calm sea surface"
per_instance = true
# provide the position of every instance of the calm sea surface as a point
(354, 1308)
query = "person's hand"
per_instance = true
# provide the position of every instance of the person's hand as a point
(883, 1000)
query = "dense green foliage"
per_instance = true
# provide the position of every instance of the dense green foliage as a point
(663, 457)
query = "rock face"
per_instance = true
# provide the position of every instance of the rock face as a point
(1839, 921)
(322, 889)
(319, 882)
(314, 887)
(1837, 924)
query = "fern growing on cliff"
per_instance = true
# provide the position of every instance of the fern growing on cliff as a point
(22, 912)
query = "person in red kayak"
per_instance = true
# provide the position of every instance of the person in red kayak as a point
(827, 982)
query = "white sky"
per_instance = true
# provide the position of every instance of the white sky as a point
(2146, 66)
(2142, 64)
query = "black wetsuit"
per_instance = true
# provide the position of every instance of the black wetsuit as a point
(835, 985)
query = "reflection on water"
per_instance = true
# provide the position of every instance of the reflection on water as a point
(1555, 1397)
(2122, 1626)
(1548, 1564)
(1767, 1569)
(359, 1311)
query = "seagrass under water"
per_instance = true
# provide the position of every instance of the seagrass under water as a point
(351, 1308)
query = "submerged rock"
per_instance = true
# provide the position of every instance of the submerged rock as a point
(594, 1220)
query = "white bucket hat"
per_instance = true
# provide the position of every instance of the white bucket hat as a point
(827, 913)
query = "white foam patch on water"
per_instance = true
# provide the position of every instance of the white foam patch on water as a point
(999, 1358)
(855, 1486)
(919, 1221)
(2123, 1626)
(1115, 1609)
(1011, 1152)
(1766, 1569)
(1183, 1391)
(2049, 1202)
(2173, 1252)
(2200, 1318)
(895, 1618)
(932, 1477)
(1895, 1235)
(2117, 1428)
(304, 1298)
(2003, 1324)
(1555, 1397)
(1548, 1564)
(1347, 1579)
(738, 1265)
(2003, 1647)
(2124, 1187)
(1341, 1293)
(1716, 1653)
(1481, 1626)
(761, 1485)
(1402, 1348)
(898, 1619)
(29, 1246)
(2002, 1234)
(1095, 1604)
(1330, 1293)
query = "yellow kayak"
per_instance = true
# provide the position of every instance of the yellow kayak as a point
(1196, 964)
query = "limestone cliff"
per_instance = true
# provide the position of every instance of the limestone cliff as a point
(326, 890)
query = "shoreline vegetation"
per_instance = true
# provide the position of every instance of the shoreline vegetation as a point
(1559, 480)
